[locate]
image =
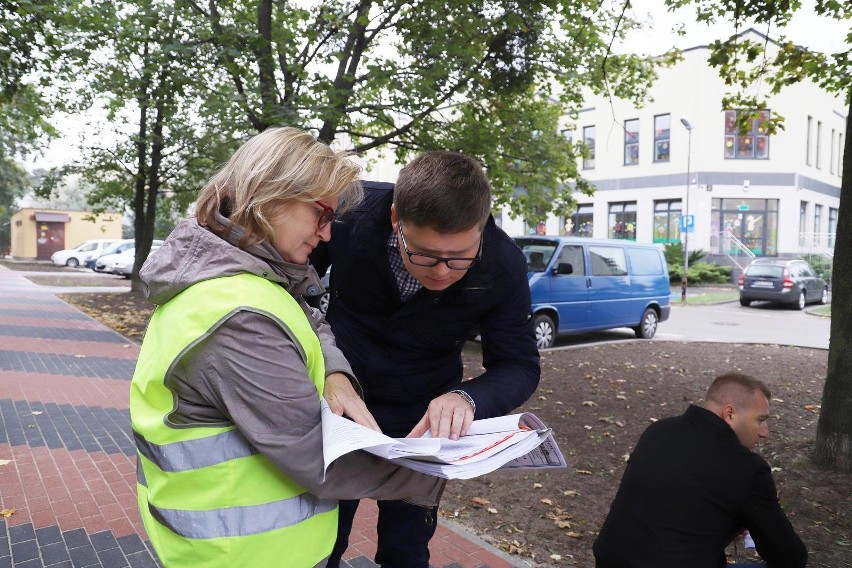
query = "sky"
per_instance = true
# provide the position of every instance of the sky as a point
(806, 29)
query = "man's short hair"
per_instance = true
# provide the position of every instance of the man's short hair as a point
(734, 387)
(444, 191)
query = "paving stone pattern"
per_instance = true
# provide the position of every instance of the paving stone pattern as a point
(65, 429)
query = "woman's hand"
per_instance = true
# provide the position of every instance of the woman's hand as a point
(344, 401)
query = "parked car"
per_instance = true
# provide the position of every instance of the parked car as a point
(107, 261)
(791, 281)
(78, 256)
(580, 284)
(122, 263)
(115, 248)
(321, 301)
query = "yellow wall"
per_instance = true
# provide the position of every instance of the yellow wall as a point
(78, 229)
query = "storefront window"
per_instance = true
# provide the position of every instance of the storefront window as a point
(622, 220)
(581, 222)
(667, 221)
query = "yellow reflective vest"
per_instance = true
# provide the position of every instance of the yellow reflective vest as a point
(207, 497)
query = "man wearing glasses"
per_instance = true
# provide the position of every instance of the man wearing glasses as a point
(416, 268)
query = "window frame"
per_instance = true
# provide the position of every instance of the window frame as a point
(734, 143)
(631, 142)
(662, 139)
(589, 162)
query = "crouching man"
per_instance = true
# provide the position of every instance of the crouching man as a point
(693, 485)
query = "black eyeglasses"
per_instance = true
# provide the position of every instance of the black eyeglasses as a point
(327, 215)
(428, 260)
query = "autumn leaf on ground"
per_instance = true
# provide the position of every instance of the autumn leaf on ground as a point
(573, 534)
(480, 501)
(37, 412)
(492, 510)
(589, 403)
(583, 471)
(571, 493)
(546, 501)
(537, 486)
(7, 512)
(5, 462)
(562, 524)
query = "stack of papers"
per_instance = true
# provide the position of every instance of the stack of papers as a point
(517, 441)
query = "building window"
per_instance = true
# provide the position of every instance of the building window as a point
(803, 220)
(817, 160)
(662, 137)
(817, 222)
(753, 145)
(622, 220)
(631, 142)
(832, 226)
(831, 155)
(753, 221)
(582, 221)
(667, 221)
(589, 141)
(808, 141)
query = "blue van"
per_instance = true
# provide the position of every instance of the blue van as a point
(580, 284)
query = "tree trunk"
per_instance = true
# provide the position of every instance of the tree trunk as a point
(834, 430)
(141, 168)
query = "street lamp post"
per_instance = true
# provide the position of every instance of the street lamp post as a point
(685, 224)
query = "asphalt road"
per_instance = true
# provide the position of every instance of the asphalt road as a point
(728, 323)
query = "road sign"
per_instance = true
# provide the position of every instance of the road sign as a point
(687, 223)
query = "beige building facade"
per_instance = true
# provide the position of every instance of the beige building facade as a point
(37, 233)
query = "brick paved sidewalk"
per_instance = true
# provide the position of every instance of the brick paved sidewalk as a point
(67, 458)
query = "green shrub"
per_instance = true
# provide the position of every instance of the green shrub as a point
(821, 264)
(674, 255)
(701, 273)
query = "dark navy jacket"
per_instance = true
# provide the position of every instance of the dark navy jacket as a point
(406, 354)
(689, 488)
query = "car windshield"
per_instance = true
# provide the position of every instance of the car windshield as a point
(538, 253)
(765, 271)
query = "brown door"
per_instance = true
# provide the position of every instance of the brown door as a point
(50, 237)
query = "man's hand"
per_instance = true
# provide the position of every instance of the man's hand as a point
(343, 400)
(448, 416)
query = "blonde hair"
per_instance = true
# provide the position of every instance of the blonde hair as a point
(277, 166)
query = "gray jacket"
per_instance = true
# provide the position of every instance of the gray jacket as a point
(250, 373)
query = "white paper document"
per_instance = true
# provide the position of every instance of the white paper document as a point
(517, 441)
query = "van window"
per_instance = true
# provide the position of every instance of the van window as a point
(573, 255)
(645, 262)
(608, 261)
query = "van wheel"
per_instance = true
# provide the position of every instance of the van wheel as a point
(647, 327)
(545, 331)
(744, 302)
(72, 262)
(823, 299)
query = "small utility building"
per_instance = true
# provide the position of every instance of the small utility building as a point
(38, 233)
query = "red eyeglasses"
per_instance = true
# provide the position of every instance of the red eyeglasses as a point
(326, 216)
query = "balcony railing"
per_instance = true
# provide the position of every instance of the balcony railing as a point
(817, 243)
(725, 243)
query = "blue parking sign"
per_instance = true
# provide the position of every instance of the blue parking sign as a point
(687, 223)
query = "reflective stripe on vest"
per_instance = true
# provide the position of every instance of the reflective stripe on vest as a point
(195, 454)
(242, 521)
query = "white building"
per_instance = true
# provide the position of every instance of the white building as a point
(777, 195)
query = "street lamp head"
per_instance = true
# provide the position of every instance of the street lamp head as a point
(686, 123)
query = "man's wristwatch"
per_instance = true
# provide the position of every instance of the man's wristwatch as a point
(466, 398)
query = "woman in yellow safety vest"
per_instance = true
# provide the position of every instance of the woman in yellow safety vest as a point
(225, 400)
